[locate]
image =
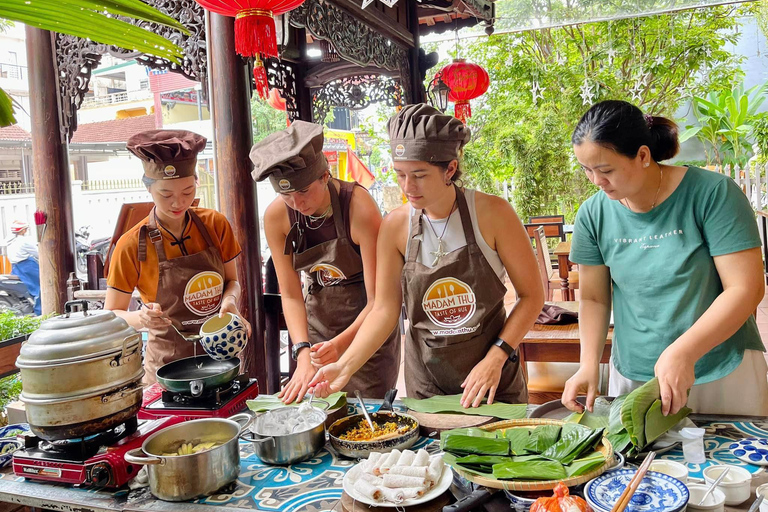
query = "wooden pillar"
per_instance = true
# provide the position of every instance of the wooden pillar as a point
(231, 112)
(304, 98)
(416, 85)
(50, 171)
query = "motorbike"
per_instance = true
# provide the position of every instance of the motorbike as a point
(85, 246)
(15, 297)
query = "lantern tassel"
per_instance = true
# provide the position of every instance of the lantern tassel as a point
(463, 111)
(255, 33)
(260, 79)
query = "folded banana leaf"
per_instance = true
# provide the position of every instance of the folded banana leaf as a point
(620, 440)
(450, 459)
(584, 465)
(518, 439)
(656, 424)
(634, 409)
(529, 470)
(468, 431)
(586, 446)
(481, 463)
(588, 419)
(452, 404)
(574, 439)
(264, 403)
(542, 437)
(614, 416)
(468, 445)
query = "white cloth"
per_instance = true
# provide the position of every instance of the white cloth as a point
(454, 237)
(744, 391)
(20, 248)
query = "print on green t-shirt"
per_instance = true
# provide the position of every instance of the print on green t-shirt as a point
(662, 268)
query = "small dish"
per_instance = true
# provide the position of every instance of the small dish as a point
(14, 430)
(715, 502)
(762, 490)
(671, 468)
(223, 337)
(657, 492)
(753, 450)
(7, 447)
(735, 485)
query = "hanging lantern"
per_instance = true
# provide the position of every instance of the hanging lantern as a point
(328, 52)
(438, 93)
(255, 33)
(275, 100)
(467, 82)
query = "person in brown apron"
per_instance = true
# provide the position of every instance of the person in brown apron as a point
(327, 229)
(445, 254)
(181, 259)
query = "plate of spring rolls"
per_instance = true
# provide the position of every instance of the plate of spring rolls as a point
(397, 479)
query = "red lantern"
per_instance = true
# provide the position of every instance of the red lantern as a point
(275, 100)
(467, 81)
(254, 30)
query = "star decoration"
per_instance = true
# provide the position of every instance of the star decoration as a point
(659, 60)
(586, 93)
(560, 59)
(637, 89)
(611, 55)
(537, 91)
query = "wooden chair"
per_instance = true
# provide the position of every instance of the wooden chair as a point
(549, 276)
(550, 230)
(548, 221)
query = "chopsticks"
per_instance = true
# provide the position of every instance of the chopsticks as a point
(623, 501)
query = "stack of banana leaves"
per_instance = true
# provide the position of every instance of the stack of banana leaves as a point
(546, 452)
(634, 421)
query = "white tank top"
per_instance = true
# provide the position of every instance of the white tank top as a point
(454, 237)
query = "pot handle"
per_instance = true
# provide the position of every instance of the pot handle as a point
(122, 393)
(136, 456)
(251, 439)
(324, 402)
(243, 419)
(196, 387)
(70, 304)
(124, 354)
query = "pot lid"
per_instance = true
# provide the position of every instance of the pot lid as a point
(77, 335)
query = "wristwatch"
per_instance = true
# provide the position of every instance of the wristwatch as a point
(506, 347)
(298, 346)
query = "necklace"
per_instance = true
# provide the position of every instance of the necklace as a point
(316, 218)
(439, 253)
(661, 178)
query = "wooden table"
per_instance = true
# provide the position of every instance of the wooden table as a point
(563, 251)
(557, 343)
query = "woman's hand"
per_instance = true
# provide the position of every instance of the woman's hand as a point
(587, 379)
(484, 378)
(323, 353)
(152, 316)
(329, 379)
(229, 305)
(675, 371)
(299, 384)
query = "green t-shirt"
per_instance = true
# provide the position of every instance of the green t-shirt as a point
(662, 268)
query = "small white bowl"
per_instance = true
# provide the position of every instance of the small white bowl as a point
(671, 468)
(715, 502)
(762, 490)
(735, 485)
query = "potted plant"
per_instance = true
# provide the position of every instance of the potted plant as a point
(14, 330)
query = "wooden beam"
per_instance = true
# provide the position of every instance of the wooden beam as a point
(50, 171)
(231, 112)
(383, 24)
(418, 94)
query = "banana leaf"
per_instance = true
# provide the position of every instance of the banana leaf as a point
(529, 470)
(542, 437)
(588, 419)
(587, 445)
(518, 439)
(584, 465)
(656, 424)
(614, 417)
(574, 439)
(452, 404)
(468, 431)
(468, 445)
(634, 409)
(481, 463)
(264, 403)
(450, 459)
(620, 440)
(6, 110)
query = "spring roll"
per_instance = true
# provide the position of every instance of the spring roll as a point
(421, 459)
(392, 495)
(406, 458)
(435, 470)
(376, 468)
(369, 464)
(420, 471)
(355, 473)
(373, 480)
(413, 492)
(367, 490)
(391, 461)
(399, 481)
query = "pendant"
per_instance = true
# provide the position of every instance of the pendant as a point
(439, 253)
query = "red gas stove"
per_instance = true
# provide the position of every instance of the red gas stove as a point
(221, 402)
(96, 460)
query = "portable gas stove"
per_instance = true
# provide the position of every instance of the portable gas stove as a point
(221, 402)
(96, 460)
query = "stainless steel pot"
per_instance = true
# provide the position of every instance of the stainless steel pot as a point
(184, 477)
(282, 450)
(79, 373)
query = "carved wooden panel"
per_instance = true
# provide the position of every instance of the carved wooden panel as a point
(355, 93)
(282, 76)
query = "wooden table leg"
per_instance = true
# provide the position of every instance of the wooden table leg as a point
(562, 269)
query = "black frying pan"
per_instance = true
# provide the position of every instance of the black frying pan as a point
(195, 374)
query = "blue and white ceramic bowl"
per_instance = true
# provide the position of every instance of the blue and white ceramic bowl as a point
(223, 337)
(657, 492)
(7, 447)
(753, 450)
(11, 431)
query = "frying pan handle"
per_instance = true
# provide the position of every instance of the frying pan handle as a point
(389, 398)
(470, 501)
(196, 387)
(137, 456)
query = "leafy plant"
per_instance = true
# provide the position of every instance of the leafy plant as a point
(10, 389)
(12, 326)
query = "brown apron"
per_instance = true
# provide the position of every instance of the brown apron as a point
(336, 295)
(189, 290)
(456, 311)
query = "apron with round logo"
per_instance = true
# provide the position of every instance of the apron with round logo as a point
(189, 290)
(335, 295)
(456, 311)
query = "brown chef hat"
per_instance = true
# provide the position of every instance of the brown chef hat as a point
(167, 154)
(422, 133)
(292, 158)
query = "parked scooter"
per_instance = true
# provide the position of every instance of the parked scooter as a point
(84, 246)
(15, 297)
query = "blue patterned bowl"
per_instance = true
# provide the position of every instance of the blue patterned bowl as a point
(223, 337)
(14, 430)
(7, 447)
(657, 492)
(752, 450)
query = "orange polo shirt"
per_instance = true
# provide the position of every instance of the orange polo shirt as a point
(126, 272)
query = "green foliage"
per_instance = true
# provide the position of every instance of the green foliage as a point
(12, 326)
(265, 119)
(10, 389)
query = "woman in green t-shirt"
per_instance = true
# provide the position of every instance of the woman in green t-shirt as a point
(675, 251)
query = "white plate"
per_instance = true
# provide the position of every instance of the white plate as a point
(442, 485)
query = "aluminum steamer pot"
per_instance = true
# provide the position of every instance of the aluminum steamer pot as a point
(291, 448)
(81, 373)
(184, 477)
